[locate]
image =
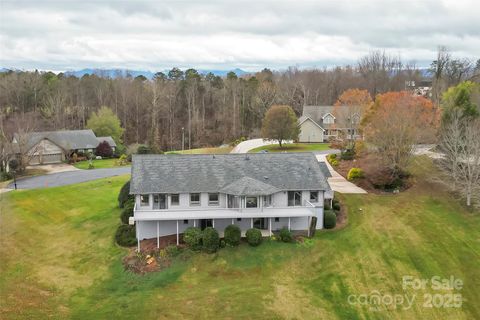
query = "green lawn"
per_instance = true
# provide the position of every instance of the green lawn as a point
(217, 150)
(99, 164)
(293, 147)
(58, 260)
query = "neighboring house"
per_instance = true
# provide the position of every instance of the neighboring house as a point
(55, 146)
(110, 141)
(321, 123)
(268, 191)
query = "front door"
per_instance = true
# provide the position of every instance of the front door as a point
(204, 223)
(260, 223)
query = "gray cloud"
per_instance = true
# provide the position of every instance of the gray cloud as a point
(249, 34)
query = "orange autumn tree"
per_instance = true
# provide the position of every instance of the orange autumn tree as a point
(395, 123)
(348, 111)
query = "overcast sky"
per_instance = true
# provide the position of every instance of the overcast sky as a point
(156, 35)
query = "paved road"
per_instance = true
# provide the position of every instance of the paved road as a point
(245, 146)
(69, 177)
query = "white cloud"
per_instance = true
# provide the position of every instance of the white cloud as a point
(214, 34)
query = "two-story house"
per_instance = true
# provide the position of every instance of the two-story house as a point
(265, 191)
(322, 123)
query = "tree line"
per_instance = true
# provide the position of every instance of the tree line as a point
(207, 109)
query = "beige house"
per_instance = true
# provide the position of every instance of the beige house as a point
(322, 123)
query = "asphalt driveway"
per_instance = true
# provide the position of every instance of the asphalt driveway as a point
(68, 177)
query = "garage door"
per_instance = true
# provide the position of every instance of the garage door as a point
(51, 158)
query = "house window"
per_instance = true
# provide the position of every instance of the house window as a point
(233, 201)
(328, 120)
(239, 219)
(313, 196)
(213, 199)
(185, 221)
(194, 199)
(294, 198)
(144, 200)
(175, 199)
(267, 201)
(251, 202)
(277, 219)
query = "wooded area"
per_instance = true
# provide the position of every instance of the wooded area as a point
(209, 109)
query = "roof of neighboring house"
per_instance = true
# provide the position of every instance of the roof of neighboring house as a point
(259, 173)
(109, 139)
(67, 139)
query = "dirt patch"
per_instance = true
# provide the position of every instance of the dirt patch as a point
(140, 263)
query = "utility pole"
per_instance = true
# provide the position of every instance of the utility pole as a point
(183, 138)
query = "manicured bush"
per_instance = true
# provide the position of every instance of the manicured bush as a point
(348, 154)
(355, 173)
(193, 238)
(285, 235)
(104, 150)
(232, 235)
(210, 240)
(127, 211)
(124, 194)
(329, 219)
(125, 235)
(336, 206)
(334, 162)
(254, 237)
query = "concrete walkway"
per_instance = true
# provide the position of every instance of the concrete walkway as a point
(337, 182)
(245, 146)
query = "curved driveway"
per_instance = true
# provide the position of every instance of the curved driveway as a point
(68, 177)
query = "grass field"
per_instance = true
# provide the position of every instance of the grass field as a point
(98, 164)
(293, 147)
(58, 260)
(217, 150)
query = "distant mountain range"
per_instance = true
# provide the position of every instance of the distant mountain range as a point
(113, 73)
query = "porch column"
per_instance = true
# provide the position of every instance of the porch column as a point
(308, 226)
(178, 240)
(233, 222)
(158, 235)
(213, 223)
(251, 222)
(270, 226)
(288, 223)
(138, 240)
(194, 223)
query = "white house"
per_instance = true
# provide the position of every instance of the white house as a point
(266, 191)
(321, 123)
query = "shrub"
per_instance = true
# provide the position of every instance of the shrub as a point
(336, 206)
(4, 176)
(348, 154)
(210, 240)
(193, 238)
(124, 194)
(127, 211)
(119, 150)
(355, 173)
(285, 235)
(125, 235)
(331, 157)
(104, 150)
(122, 161)
(254, 237)
(329, 219)
(232, 235)
(143, 149)
(172, 251)
(334, 162)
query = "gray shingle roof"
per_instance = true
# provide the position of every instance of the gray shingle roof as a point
(208, 173)
(324, 168)
(248, 186)
(109, 139)
(67, 139)
(316, 113)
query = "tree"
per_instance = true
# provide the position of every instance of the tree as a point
(106, 123)
(464, 97)
(104, 150)
(349, 110)
(280, 123)
(395, 123)
(460, 143)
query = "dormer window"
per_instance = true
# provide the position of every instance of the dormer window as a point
(328, 118)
